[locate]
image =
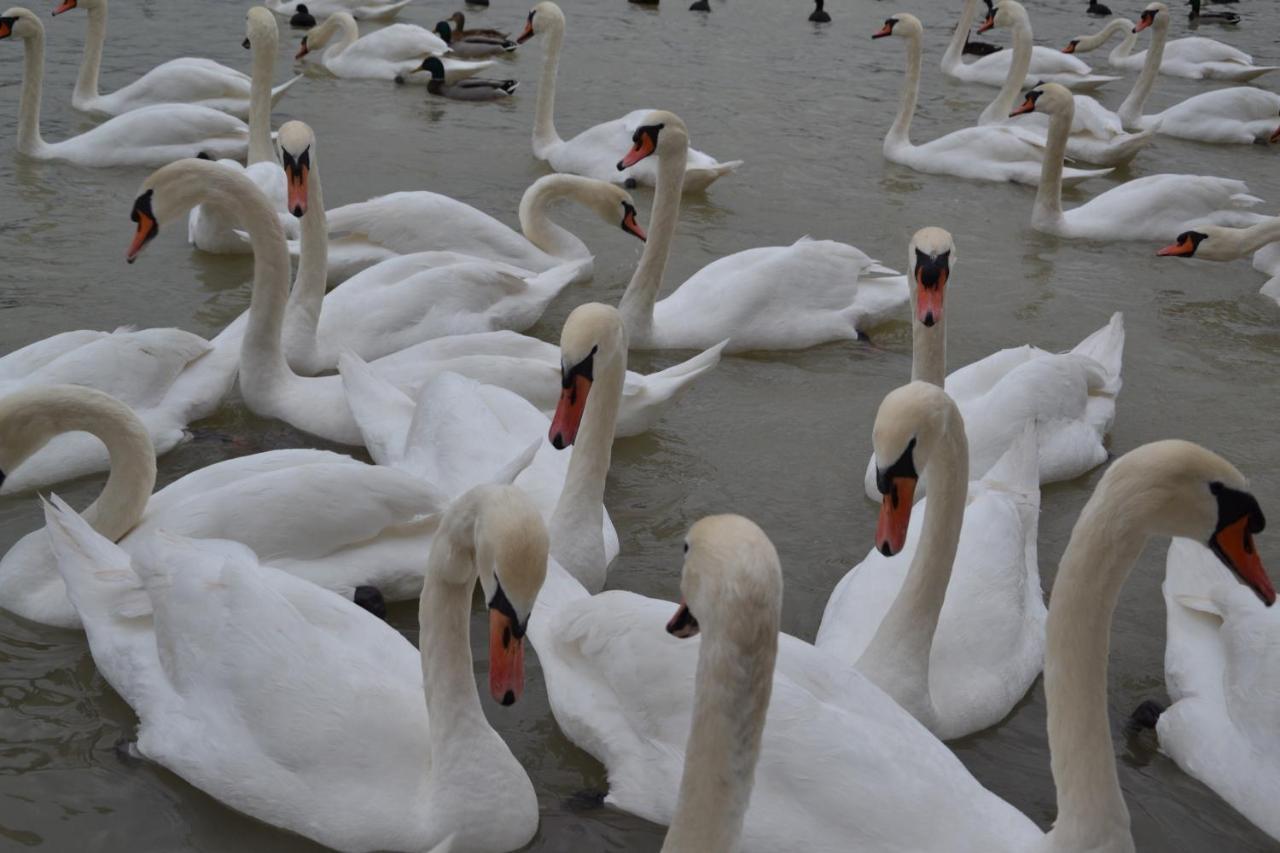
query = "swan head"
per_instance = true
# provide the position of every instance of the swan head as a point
(172, 190)
(21, 23)
(319, 35)
(909, 427)
(260, 28)
(1153, 14)
(297, 150)
(611, 203)
(1176, 488)
(731, 584)
(68, 5)
(662, 133)
(1072, 45)
(1005, 13)
(903, 25)
(1050, 98)
(544, 17)
(592, 339)
(930, 256)
(1189, 242)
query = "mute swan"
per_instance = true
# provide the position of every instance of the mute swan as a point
(593, 152)
(731, 588)
(1145, 208)
(1221, 673)
(327, 518)
(1241, 114)
(991, 70)
(470, 89)
(1070, 396)
(1096, 133)
(385, 54)
(1213, 243)
(989, 153)
(365, 10)
(959, 664)
(476, 44)
(841, 766)
(221, 658)
(777, 297)
(189, 80)
(147, 136)
(206, 230)
(1195, 57)
(403, 223)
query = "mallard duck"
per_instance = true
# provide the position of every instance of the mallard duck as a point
(459, 24)
(472, 46)
(471, 89)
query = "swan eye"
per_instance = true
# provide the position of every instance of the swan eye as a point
(686, 545)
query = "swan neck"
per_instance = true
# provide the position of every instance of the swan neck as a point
(1256, 236)
(955, 47)
(86, 90)
(636, 305)
(535, 219)
(29, 140)
(1048, 205)
(731, 697)
(544, 124)
(928, 349)
(1130, 111)
(261, 149)
(348, 32)
(306, 299)
(1125, 48)
(999, 109)
(901, 130)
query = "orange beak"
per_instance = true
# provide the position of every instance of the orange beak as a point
(506, 659)
(1028, 106)
(638, 152)
(526, 33)
(297, 188)
(883, 32)
(1234, 546)
(147, 228)
(303, 50)
(630, 225)
(929, 298)
(895, 515)
(987, 24)
(1275, 137)
(683, 624)
(1070, 48)
(1143, 23)
(65, 6)
(1184, 248)
(5, 29)
(568, 416)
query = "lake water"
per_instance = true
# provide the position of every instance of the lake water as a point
(780, 438)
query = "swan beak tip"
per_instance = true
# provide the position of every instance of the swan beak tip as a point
(683, 624)
(1275, 137)
(569, 411)
(895, 515)
(506, 658)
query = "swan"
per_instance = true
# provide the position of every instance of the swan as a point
(1221, 673)
(1097, 135)
(1214, 243)
(988, 153)
(206, 229)
(147, 136)
(402, 223)
(976, 547)
(470, 89)
(594, 151)
(189, 80)
(221, 658)
(1145, 208)
(365, 10)
(476, 43)
(1241, 114)
(841, 766)
(991, 70)
(357, 529)
(777, 297)
(731, 588)
(1195, 58)
(399, 302)
(386, 54)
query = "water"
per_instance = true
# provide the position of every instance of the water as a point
(782, 439)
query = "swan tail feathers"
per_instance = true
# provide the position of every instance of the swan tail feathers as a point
(381, 410)
(278, 92)
(549, 284)
(1018, 470)
(1106, 347)
(678, 376)
(507, 474)
(99, 575)
(700, 177)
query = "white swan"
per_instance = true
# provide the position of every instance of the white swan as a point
(1195, 57)
(1145, 208)
(841, 766)
(1215, 243)
(365, 10)
(1240, 114)
(189, 80)
(987, 153)
(1222, 671)
(206, 229)
(392, 52)
(777, 297)
(731, 588)
(400, 302)
(401, 223)
(322, 516)
(223, 658)
(1097, 135)
(992, 69)
(148, 136)
(958, 664)
(594, 151)
(1070, 396)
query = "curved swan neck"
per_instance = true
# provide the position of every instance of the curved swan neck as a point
(306, 299)
(897, 658)
(900, 133)
(535, 221)
(544, 124)
(1048, 204)
(1125, 48)
(261, 150)
(29, 140)
(1130, 111)
(998, 110)
(955, 48)
(928, 348)
(731, 698)
(636, 305)
(1242, 241)
(86, 90)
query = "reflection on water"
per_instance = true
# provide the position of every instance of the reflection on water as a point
(782, 439)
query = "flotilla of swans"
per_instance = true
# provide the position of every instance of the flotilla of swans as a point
(238, 610)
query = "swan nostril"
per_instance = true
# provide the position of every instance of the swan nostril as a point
(557, 441)
(885, 549)
(509, 698)
(928, 319)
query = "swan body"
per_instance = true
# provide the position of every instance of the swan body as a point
(594, 152)
(148, 136)
(1222, 675)
(189, 80)
(991, 70)
(392, 52)
(979, 547)
(987, 153)
(321, 516)
(364, 10)
(776, 297)
(218, 655)
(1195, 58)
(1146, 208)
